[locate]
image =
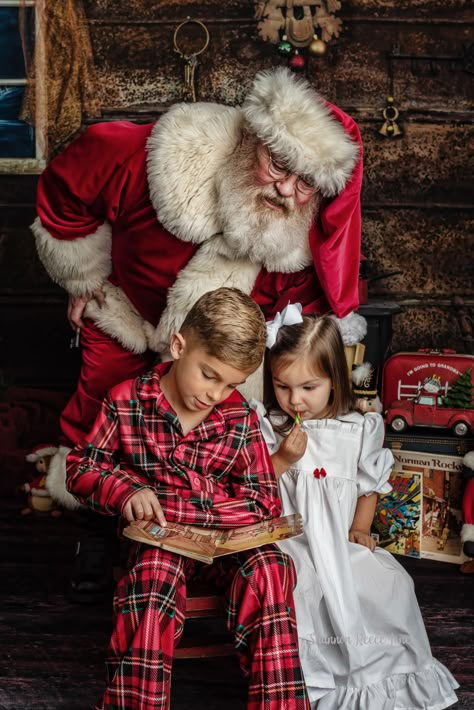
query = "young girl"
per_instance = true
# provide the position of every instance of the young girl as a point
(363, 644)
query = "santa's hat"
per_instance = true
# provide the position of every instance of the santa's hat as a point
(468, 465)
(286, 114)
(364, 380)
(467, 530)
(40, 451)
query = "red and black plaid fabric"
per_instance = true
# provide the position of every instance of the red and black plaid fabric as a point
(219, 475)
(149, 610)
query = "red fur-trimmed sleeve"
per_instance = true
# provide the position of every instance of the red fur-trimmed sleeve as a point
(79, 197)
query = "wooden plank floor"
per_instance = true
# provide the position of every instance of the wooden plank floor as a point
(52, 650)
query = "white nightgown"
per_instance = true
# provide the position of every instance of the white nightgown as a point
(363, 643)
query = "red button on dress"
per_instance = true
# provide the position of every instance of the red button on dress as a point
(319, 473)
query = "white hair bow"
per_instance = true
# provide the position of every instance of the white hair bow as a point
(289, 316)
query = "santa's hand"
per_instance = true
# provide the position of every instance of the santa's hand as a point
(144, 505)
(77, 304)
(362, 538)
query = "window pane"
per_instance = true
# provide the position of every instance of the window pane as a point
(16, 136)
(12, 65)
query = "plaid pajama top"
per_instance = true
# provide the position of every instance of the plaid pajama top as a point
(219, 475)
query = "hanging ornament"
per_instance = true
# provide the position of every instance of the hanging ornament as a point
(284, 47)
(296, 62)
(298, 23)
(390, 128)
(291, 24)
(317, 46)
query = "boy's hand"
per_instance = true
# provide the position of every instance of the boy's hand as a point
(362, 538)
(144, 505)
(291, 450)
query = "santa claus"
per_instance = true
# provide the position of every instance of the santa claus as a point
(467, 530)
(137, 221)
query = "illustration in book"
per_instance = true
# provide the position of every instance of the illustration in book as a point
(442, 511)
(397, 521)
(206, 544)
(422, 515)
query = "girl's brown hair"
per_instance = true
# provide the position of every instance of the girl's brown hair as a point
(318, 340)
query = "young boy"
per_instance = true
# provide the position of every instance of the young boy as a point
(180, 444)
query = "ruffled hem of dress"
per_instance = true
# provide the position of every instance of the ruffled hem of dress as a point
(429, 689)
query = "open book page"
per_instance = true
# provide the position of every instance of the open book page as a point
(207, 544)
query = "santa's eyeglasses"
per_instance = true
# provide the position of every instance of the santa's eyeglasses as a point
(278, 170)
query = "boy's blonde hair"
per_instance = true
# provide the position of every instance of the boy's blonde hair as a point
(318, 340)
(230, 326)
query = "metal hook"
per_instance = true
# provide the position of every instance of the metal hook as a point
(190, 60)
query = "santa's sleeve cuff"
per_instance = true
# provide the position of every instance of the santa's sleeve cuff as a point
(81, 265)
(467, 533)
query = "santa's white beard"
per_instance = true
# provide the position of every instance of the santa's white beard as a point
(251, 230)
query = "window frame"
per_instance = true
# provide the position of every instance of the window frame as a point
(37, 164)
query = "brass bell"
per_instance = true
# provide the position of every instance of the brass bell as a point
(390, 128)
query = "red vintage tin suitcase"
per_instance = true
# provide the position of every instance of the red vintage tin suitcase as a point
(405, 373)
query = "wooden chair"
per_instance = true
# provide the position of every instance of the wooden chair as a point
(203, 602)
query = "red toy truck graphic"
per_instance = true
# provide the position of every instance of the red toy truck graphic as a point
(426, 410)
(404, 373)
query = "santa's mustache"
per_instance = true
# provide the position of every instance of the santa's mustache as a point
(286, 203)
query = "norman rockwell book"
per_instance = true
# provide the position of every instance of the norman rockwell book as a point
(422, 515)
(206, 544)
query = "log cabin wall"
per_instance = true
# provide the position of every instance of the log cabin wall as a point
(417, 193)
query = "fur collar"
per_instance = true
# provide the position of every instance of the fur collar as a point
(186, 147)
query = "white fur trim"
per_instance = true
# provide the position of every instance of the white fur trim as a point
(56, 480)
(353, 328)
(80, 266)
(467, 533)
(293, 120)
(118, 318)
(185, 149)
(206, 271)
(43, 451)
(361, 372)
(468, 460)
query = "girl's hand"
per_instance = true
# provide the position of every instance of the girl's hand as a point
(362, 538)
(291, 450)
(144, 505)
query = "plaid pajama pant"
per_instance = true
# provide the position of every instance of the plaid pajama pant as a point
(149, 610)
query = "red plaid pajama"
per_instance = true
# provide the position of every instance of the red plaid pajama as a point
(149, 611)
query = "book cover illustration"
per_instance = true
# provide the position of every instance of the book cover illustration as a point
(206, 544)
(422, 515)
(442, 510)
(397, 521)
